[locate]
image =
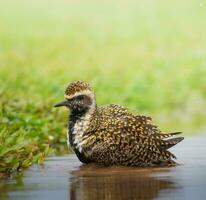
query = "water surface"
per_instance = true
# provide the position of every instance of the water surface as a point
(66, 178)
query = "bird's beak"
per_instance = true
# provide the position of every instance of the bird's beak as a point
(63, 103)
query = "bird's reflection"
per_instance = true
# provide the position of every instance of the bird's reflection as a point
(90, 182)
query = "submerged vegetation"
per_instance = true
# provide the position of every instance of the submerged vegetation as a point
(148, 56)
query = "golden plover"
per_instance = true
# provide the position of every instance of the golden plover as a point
(111, 135)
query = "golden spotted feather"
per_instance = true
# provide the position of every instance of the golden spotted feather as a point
(117, 137)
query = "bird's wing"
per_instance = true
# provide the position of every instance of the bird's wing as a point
(117, 119)
(138, 135)
(123, 136)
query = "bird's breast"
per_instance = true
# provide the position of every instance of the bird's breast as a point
(76, 132)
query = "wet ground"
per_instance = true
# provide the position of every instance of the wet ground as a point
(66, 178)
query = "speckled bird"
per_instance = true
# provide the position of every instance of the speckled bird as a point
(111, 135)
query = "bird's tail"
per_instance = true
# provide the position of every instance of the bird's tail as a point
(168, 143)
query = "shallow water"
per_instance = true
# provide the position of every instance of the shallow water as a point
(66, 178)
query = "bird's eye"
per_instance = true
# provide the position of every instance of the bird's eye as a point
(80, 97)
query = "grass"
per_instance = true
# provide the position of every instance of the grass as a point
(148, 56)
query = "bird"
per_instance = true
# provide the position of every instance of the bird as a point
(111, 135)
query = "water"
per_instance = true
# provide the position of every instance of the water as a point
(66, 178)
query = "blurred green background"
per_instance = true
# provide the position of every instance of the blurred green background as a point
(149, 56)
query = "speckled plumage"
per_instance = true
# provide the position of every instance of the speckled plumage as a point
(111, 135)
(76, 87)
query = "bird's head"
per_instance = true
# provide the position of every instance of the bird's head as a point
(79, 97)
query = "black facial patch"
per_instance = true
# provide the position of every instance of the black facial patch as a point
(87, 100)
(83, 99)
(80, 103)
(80, 97)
